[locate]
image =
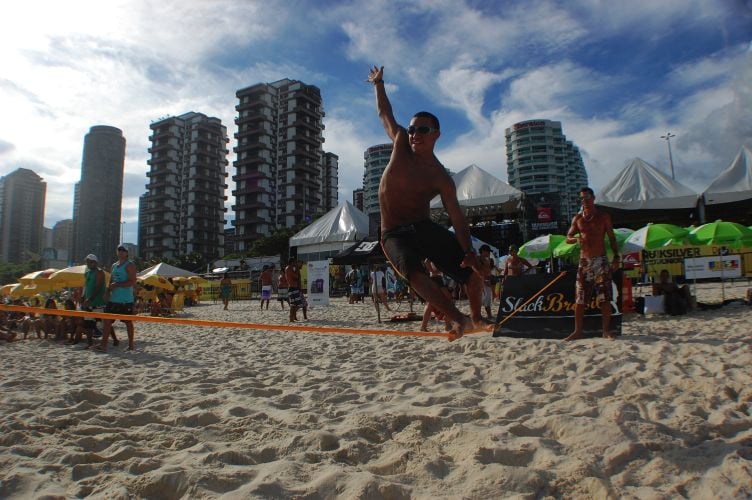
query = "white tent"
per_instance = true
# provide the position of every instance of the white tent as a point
(477, 243)
(734, 183)
(476, 187)
(164, 270)
(332, 232)
(640, 186)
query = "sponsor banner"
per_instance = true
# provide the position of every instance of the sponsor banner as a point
(727, 266)
(551, 314)
(318, 282)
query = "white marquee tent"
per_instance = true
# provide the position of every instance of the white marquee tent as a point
(640, 186)
(476, 187)
(734, 183)
(331, 233)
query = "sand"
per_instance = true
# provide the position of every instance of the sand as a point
(205, 412)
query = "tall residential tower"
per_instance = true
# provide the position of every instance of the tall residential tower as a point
(22, 198)
(548, 168)
(278, 170)
(183, 211)
(98, 196)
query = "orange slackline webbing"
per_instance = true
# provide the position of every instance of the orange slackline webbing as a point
(223, 324)
(518, 309)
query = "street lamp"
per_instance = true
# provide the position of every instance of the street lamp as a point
(122, 231)
(668, 137)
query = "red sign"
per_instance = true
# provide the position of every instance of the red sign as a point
(631, 260)
(545, 214)
(520, 125)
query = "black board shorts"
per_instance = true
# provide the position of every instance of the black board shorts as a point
(119, 308)
(406, 247)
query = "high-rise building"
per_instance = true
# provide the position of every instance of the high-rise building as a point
(278, 178)
(548, 168)
(183, 211)
(357, 199)
(329, 181)
(22, 198)
(99, 194)
(62, 236)
(376, 159)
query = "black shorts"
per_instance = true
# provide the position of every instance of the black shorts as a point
(119, 308)
(408, 245)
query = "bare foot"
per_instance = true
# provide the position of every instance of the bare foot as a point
(609, 336)
(458, 329)
(573, 336)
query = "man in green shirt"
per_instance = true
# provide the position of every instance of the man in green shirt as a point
(93, 297)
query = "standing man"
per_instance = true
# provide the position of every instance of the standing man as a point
(93, 298)
(294, 295)
(594, 272)
(486, 265)
(122, 279)
(412, 179)
(265, 284)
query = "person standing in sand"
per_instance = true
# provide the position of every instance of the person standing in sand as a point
(265, 284)
(121, 300)
(594, 271)
(282, 289)
(294, 295)
(225, 289)
(413, 177)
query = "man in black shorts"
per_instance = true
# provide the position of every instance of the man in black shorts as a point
(412, 179)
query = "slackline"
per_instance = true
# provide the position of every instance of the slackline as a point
(224, 324)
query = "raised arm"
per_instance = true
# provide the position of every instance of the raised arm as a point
(383, 106)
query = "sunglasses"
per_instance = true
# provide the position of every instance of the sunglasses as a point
(423, 129)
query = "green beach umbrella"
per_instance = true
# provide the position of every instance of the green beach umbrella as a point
(572, 250)
(722, 233)
(541, 247)
(653, 236)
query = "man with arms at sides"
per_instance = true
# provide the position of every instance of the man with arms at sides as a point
(122, 279)
(486, 265)
(93, 298)
(594, 272)
(265, 285)
(294, 295)
(412, 179)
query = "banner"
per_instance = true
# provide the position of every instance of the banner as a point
(727, 266)
(551, 314)
(318, 282)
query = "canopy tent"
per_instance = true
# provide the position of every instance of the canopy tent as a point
(334, 231)
(729, 196)
(164, 270)
(364, 251)
(640, 186)
(478, 188)
(640, 194)
(734, 183)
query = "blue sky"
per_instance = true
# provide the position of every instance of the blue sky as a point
(618, 75)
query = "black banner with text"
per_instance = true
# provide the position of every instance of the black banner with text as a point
(550, 315)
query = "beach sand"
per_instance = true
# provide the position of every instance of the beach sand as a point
(204, 412)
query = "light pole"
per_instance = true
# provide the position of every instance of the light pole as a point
(668, 137)
(122, 231)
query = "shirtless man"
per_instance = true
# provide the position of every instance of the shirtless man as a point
(412, 179)
(594, 273)
(294, 294)
(265, 285)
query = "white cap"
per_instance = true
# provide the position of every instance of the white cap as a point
(92, 257)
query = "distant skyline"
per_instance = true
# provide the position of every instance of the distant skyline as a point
(618, 75)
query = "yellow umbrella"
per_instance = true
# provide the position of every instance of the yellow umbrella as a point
(72, 277)
(157, 282)
(36, 276)
(21, 290)
(6, 289)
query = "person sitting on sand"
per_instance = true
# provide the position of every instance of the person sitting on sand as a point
(678, 298)
(48, 323)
